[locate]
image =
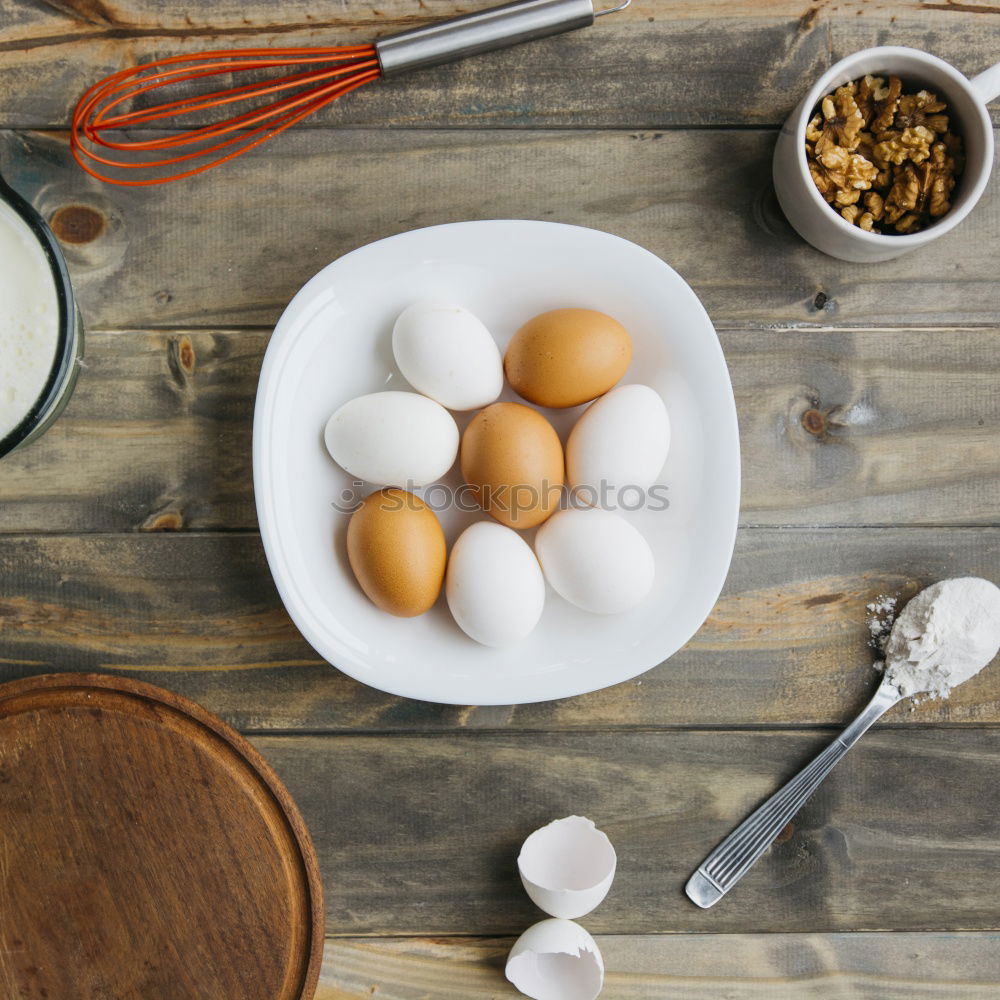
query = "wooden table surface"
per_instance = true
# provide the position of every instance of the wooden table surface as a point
(869, 404)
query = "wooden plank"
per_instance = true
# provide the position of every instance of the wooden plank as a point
(419, 834)
(232, 247)
(897, 966)
(156, 438)
(147, 853)
(134, 17)
(867, 427)
(702, 62)
(786, 644)
(884, 427)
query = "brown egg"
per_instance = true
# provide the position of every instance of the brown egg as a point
(567, 357)
(512, 458)
(397, 550)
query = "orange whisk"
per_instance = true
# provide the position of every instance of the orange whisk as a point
(123, 100)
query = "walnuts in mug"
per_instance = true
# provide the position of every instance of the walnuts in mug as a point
(885, 160)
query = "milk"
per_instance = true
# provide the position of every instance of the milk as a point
(29, 319)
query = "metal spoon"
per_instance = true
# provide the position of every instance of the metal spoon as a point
(735, 856)
(968, 645)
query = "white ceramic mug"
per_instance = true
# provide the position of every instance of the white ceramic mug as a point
(821, 225)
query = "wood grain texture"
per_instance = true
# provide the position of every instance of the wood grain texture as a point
(848, 427)
(867, 397)
(683, 967)
(419, 834)
(658, 64)
(785, 645)
(148, 852)
(232, 248)
(157, 438)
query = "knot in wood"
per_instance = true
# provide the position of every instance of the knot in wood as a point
(185, 355)
(786, 834)
(814, 422)
(169, 521)
(77, 224)
(181, 358)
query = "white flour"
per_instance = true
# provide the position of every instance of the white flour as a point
(881, 614)
(944, 636)
(29, 319)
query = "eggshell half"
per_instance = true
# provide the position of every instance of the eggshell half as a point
(393, 439)
(445, 352)
(567, 867)
(556, 960)
(621, 440)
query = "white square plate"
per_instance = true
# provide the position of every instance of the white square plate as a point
(333, 343)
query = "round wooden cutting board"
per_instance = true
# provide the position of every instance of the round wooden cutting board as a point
(147, 852)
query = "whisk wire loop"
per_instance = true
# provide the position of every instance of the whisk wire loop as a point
(204, 101)
(336, 71)
(316, 77)
(313, 98)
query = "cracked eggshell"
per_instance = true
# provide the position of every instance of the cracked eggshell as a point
(567, 867)
(556, 960)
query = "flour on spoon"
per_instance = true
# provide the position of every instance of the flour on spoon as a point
(944, 636)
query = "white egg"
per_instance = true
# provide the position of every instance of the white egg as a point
(567, 867)
(494, 585)
(446, 353)
(393, 439)
(556, 960)
(621, 440)
(595, 559)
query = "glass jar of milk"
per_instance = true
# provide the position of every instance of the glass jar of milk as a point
(41, 336)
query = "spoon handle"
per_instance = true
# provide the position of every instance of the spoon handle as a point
(735, 856)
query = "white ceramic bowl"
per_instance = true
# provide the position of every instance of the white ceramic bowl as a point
(822, 226)
(334, 342)
(19, 216)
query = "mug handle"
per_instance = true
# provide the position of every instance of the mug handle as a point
(987, 84)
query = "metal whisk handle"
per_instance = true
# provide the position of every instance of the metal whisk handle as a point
(483, 31)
